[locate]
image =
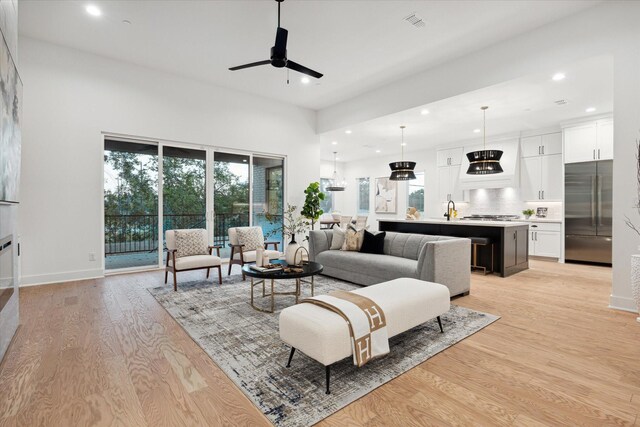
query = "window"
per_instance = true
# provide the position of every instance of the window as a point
(415, 193)
(363, 195)
(327, 204)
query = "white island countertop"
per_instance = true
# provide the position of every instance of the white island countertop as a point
(462, 222)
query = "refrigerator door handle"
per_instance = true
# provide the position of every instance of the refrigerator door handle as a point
(599, 198)
(593, 201)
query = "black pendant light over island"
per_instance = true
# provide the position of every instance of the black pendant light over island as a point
(484, 162)
(402, 170)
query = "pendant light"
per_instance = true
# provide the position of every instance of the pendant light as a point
(484, 162)
(402, 170)
(337, 184)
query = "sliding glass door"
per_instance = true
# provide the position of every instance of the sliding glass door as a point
(231, 203)
(130, 204)
(151, 187)
(268, 196)
(184, 195)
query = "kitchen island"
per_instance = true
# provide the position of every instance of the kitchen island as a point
(510, 238)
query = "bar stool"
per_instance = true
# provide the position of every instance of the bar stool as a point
(480, 241)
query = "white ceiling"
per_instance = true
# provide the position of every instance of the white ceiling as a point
(358, 45)
(527, 103)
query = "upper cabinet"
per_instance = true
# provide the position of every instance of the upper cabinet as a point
(588, 142)
(450, 156)
(540, 145)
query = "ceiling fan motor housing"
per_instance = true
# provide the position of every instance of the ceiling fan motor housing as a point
(278, 61)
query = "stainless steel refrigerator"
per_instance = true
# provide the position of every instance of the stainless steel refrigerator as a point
(588, 211)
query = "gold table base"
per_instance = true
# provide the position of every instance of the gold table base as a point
(272, 294)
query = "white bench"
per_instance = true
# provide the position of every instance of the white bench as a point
(324, 335)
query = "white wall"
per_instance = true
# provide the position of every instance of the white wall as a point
(609, 28)
(71, 97)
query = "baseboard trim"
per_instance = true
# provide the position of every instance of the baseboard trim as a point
(622, 303)
(57, 278)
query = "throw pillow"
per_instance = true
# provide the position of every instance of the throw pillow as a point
(373, 243)
(337, 238)
(250, 237)
(353, 239)
(190, 242)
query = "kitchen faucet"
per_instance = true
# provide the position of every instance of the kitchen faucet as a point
(448, 212)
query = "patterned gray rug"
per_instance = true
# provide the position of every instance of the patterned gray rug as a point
(245, 344)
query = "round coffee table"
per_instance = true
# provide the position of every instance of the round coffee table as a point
(309, 269)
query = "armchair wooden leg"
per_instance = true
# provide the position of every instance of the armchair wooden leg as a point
(175, 281)
(220, 274)
(208, 272)
(166, 275)
(230, 265)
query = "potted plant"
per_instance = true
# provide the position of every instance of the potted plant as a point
(527, 213)
(291, 225)
(311, 209)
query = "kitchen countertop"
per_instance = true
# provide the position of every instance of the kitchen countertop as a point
(503, 224)
(554, 220)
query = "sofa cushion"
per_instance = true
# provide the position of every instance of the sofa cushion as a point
(383, 266)
(373, 243)
(407, 245)
(337, 239)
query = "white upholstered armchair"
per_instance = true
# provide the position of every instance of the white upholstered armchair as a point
(188, 250)
(244, 241)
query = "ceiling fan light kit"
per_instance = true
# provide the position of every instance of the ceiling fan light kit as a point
(278, 56)
(402, 170)
(484, 162)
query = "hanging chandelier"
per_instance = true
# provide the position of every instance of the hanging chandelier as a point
(337, 183)
(484, 162)
(402, 170)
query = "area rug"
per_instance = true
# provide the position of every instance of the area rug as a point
(245, 344)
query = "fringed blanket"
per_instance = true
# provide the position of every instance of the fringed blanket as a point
(366, 320)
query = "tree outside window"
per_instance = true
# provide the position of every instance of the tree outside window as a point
(363, 195)
(327, 204)
(415, 193)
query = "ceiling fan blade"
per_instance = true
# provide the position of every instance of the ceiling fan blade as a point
(302, 69)
(280, 48)
(253, 64)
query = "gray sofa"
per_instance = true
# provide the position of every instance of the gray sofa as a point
(439, 259)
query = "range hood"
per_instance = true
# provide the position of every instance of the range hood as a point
(509, 162)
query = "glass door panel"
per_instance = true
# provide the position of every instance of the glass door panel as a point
(230, 196)
(130, 204)
(268, 196)
(183, 189)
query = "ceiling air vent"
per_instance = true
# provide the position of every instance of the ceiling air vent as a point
(561, 102)
(415, 20)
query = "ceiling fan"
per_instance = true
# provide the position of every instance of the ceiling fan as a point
(279, 54)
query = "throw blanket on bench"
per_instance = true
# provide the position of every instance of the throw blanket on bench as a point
(366, 320)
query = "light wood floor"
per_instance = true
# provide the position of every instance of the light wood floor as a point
(104, 352)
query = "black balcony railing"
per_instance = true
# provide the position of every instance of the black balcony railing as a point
(139, 233)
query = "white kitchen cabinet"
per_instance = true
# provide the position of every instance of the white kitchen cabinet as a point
(448, 188)
(449, 157)
(541, 177)
(539, 145)
(588, 142)
(544, 239)
(604, 137)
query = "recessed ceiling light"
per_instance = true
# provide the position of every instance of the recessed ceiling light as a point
(305, 80)
(337, 158)
(334, 143)
(590, 110)
(377, 151)
(476, 131)
(424, 112)
(404, 144)
(93, 10)
(558, 76)
(348, 131)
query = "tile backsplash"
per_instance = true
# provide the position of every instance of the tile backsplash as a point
(502, 201)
